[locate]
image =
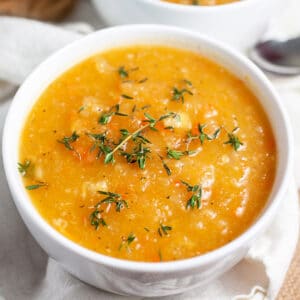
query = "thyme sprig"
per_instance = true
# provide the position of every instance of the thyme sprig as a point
(188, 82)
(127, 241)
(125, 96)
(96, 218)
(202, 136)
(176, 154)
(105, 118)
(152, 121)
(68, 140)
(164, 230)
(101, 142)
(139, 154)
(112, 198)
(122, 72)
(178, 95)
(36, 186)
(233, 139)
(23, 168)
(195, 199)
(136, 135)
(166, 167)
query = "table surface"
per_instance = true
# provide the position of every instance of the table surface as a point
(291, 286)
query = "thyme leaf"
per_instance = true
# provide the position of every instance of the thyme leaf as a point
(24, 167)
(105, 118)
(167, 168)
(178, 95)
(233, 140)
(139, 155)
(143, 80)
(176, 154)
(126, 96)
(101, 142)
(202, 136)
(164, 229)
(68, 140)
(195, 199)
(127, 241)
(113, 198)
(36, 186)
(96, 219)
(140, 152)
(122, 72)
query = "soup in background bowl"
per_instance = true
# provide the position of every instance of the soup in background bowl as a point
(137, 163)
(240, 24)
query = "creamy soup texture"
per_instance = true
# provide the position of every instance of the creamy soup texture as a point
(148, 153)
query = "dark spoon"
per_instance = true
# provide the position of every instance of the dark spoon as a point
(279, 57)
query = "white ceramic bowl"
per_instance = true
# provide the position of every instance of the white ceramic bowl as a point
(121, 276)
(240, 24)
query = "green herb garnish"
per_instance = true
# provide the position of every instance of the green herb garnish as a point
(114, 111)
(233, 140)
(139, 152)
(127, 241)
(24, 167)
(178, 95)
(152, 121)
(130, 238)
(122, 72)
(160, 255)
(113, 198)
(188, 82)
(101, 143)
(81, 109)
(202, 136)
(126, 96)
(143, 80)
(195, 199)
(96, 218)
(176, 154)
(139, 155)
(68, 140)
(164, 229)
(36, 186)
(167, 168)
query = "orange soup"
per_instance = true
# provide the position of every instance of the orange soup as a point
(148, 153)
(202, 2)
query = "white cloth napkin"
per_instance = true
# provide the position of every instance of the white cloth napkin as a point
(26, 272)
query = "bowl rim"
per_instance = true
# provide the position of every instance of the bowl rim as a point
(22, 199)
(179, 7)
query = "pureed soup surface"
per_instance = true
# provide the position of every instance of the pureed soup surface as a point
(148, 153)
(202, 2)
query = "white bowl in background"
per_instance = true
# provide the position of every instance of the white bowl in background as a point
(122, 276)
(239, 24)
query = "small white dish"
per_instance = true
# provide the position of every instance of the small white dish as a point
(127, 277)
(240, 24)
